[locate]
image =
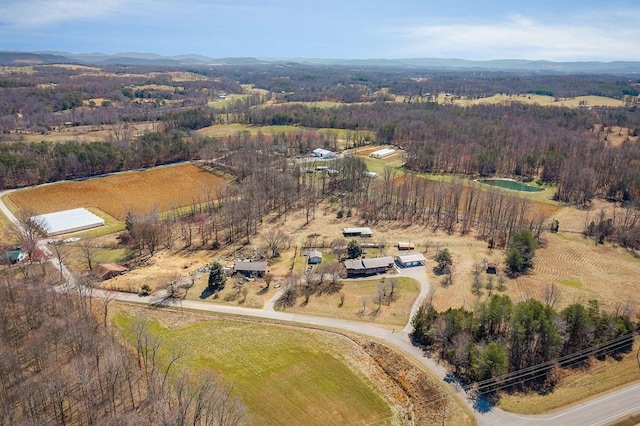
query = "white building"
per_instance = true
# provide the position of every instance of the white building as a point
(325, 154)
(407, 260)
(66, 221)
(382, 153)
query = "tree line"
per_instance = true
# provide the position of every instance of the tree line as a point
(521, 346)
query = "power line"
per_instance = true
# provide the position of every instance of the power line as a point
(568, 360)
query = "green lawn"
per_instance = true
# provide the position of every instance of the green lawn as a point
(283, 375)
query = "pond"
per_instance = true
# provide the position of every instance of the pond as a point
(510, 184)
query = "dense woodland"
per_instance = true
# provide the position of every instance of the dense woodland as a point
(521, 346)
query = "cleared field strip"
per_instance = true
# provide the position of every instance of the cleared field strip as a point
(160, 188)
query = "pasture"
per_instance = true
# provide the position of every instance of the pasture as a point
(281, 373)
(160, 188)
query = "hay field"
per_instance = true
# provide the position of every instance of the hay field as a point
(581, 269)
(138, 191)
(283, 374)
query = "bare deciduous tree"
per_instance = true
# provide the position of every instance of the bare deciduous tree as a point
(276, 241)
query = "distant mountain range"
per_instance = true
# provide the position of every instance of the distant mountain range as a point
(10, 58)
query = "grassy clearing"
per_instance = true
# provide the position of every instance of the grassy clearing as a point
(283, 374)
(532, 99)
(359, 305)
(75, 259)
(577, 385)
(224, 130)
(220, 104)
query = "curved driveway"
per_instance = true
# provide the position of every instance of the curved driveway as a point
(598, 411)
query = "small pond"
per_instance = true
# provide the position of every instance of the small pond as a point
(510, 184)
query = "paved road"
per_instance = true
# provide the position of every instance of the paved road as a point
(596, 412)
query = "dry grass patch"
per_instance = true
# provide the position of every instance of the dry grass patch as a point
(577, 385)
(357, 301)
(163, 267)
(237, 291)
(139, 191)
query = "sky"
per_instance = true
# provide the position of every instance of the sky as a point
(555, 30)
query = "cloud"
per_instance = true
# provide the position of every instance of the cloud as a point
(520, 37)
(34, 13)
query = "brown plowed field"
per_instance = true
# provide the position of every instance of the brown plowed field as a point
(137, 191)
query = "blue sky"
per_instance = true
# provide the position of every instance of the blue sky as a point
(557, 30)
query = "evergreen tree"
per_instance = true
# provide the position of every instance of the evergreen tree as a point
(217, 277)
(521, 250)
(354, 250)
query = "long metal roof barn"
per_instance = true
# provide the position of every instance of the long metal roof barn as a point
(66, 221)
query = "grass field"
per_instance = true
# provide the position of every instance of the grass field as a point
(284, 375)
(160, 188)
(577, 385)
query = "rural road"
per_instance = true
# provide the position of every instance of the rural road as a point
(597, 411)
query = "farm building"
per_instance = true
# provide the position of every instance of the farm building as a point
(325, 154)
(382, 153)
(408, 260)
(249, 268)
(104, 271)
(357, 232)
(66, 221)
(314, 257)
(368, 266)
(370, 175)
(406, 246)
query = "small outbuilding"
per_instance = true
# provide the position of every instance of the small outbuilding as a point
(409, 260)
(15, 256)
(357, 232)
(325, 154)
(406, 246)
(368, 266)
(250, 268)
(104, 271)
(314, 257)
